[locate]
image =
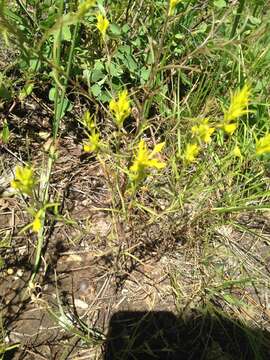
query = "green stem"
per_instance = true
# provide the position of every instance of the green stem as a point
(237, 18)
(57, 118)
(60, 106)
(24, 9)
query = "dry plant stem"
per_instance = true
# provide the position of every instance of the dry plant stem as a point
(58, 113)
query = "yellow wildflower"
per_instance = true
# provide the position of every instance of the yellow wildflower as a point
(172, 6)
(263, 145)
(24, 180)
(120, 108)
(88, 121)
(37, 223)
(144, 159)
(230, 128)
(102, 24)
(93, 143)
(191, 152)
(237, 152)
(203, 131)
(238, 105)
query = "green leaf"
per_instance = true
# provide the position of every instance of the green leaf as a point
(52, 94)
(125, 28)
(233, 300)
(115, 29)
(220, 4)
(96, 90)
(99, 65)
(66, 34)
(97, 75)
(114, 69)
(5, 134)
(144, 74)
(26, 91)
(4, 92)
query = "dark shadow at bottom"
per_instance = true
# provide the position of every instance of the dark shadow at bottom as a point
(202, 336)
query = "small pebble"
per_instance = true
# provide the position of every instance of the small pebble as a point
(10, 271)
(83, 285)
(19, 273)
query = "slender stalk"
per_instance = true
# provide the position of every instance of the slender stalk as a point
(24, 9)
(237, 18)
(60, 105)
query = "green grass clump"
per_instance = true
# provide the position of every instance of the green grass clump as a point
(173, 106)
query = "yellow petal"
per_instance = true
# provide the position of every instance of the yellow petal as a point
(237, 152)
(230, 128)
(263, 145)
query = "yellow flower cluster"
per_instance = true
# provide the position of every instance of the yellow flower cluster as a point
(24, 180)
(37, 223)
(191, 152)
(120, 108)
(102, 25)
(236, 152)
(144, 160)
(93, 143)
(202, 133)
(238, 107)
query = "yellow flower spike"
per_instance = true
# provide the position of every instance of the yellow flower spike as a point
(37, 223)
(144, 160)
(157, 148)
(120, 108)
(102, 24)
(172, 6)
(238, 105)
(191, 152)
(24, 180)
(93, 144)
(203, 131)
(236, 152)
(263, 145)
(88, 121)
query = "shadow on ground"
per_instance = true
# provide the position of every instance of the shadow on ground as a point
(162, 336)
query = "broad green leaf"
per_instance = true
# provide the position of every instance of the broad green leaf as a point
(220, 4)
(96, 90)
